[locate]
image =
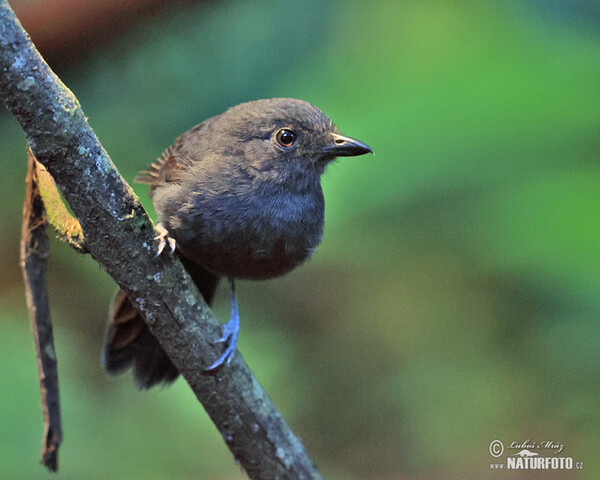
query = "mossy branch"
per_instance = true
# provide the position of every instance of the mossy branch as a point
(66, 225)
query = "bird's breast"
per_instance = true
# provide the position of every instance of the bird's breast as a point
(255, 237)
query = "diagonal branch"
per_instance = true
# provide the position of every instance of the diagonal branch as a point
(119, 236)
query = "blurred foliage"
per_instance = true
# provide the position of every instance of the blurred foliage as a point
(454, 299)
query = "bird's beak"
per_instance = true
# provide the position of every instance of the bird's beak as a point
(346, 147)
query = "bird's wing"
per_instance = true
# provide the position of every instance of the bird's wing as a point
(173, 161)
(163, 170)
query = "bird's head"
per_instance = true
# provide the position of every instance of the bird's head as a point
(284, 139)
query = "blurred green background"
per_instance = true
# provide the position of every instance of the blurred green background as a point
(454, 299)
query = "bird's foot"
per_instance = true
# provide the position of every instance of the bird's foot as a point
(163, 237)
(230, 333)
(230, 338)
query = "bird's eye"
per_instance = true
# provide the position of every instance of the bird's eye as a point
(285, 137)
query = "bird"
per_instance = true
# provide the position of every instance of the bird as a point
(238, 196)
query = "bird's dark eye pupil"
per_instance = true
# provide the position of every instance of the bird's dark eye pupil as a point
(285, 137)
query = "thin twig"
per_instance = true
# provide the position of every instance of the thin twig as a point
(119, 236)
(35, 250)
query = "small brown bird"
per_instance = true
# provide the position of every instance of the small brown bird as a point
(237, 196)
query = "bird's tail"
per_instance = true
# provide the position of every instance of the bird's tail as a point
(130, 344)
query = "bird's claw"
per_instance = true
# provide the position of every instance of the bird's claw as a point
(163, 237)
(230, 333)
(230, 337)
